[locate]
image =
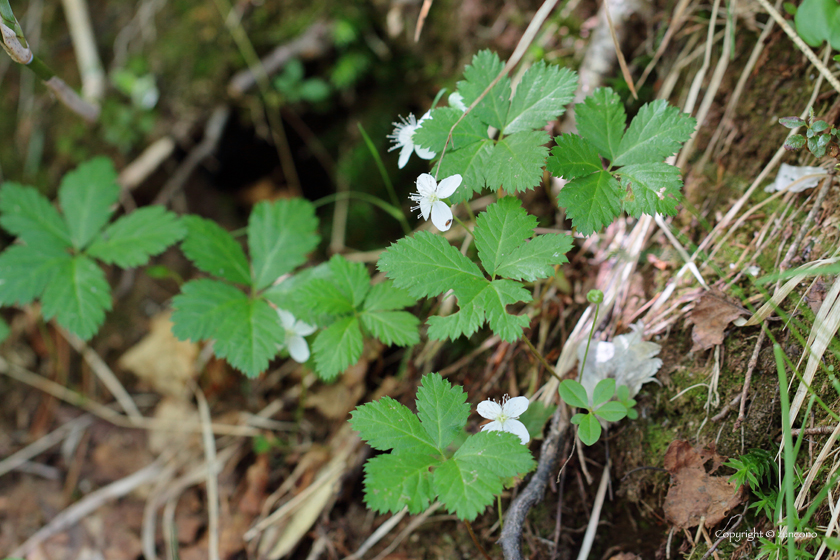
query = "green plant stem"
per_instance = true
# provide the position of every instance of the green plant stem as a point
(463, 225)
(385, 178)
(591, 334)
(790, 510)
(475, 540)
(499, 507)
(470, 212)
(369, 198)
(540, 357)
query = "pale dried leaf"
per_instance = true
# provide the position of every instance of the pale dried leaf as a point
(711, 316)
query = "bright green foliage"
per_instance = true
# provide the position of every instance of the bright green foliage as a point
(599, 407)
(818, 21)
(245, 327)
(421, 467)
(53, 259)
(753, 468)
(338, 347)
(513, 159)
(427, 265)
(636, 179)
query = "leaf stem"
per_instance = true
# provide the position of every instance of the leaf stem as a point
(541, 358)
(591, 334)
(475, 540)
(499, 507)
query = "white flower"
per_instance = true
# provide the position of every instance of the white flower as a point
(403, 135)
(456, 100)
(504, 416)
(295, 331)
(429, 199)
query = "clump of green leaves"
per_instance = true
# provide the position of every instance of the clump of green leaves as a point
(294, 87)
(752, 468)
(820, 137)
(54, 258)
(427, 265)
(421, 466)
(636, 180)
(598, 406)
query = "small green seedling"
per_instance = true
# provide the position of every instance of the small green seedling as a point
(598, 407)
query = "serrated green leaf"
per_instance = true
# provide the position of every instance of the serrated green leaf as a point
(392, 327)
(500, 229)
(498, 452)
(518, 161)
(442, 409)
(655, 186)
(589, 429)
(77, 296)
(4, 330)
(573, 156)
(471, 164)
(86, 195)
(655, 133)
(535, 418)
(215, 251)
(434, 132)
(493, 109)
(601, 120)
(201, 307)
(573, 394)
(592, 201)
(25, 271)
(397, 480)
(29, 215)
(386, 297)
(387, 424)
(133, 239)
(351, 279)
(287, 294)
(604, 391)
(540, 97)
(612, 411)
(249, 335)
(280, 236)
(536, 258)
(322, 297)
(338, 347)
(427, 265)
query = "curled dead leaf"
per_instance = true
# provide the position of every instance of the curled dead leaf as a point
(711, 316)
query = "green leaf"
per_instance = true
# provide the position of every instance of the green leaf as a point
(794, 142)
(535, 418)
(392, 327)
(77, 296)
(86, 195)
(385, 297)
(201, 307)
(500, 229)
(601, 119)
(280, 236)
(434, 132)
(573, 156)
(536, 258)
(427, 265)
(338, 347)
(471, 163)
(818, 21)
(132, 239)
(442, 409)
(604, 391)
(25, 271)
(592, 201)
(573, 394)
(351, 279)
(792, 122)
(397, 480)
(540, 97)
(287, 294)
(589, 429)
(4, 330)
(518, 161)
(29, 215)
(655, 133)
(612, 411)
(497, 452)
(323, 297)
(623, 393)
(215, 251)
(386, 424)
(656, 188)
(493, 109)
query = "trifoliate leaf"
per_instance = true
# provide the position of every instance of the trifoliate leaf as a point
(601, 119)
(656, 132)
(28, 214)
(572, 157)
(215, 251)
(493, 109)
(86, 195)
(249, 335)
(201, 307)
(592, 201)
(397, 480)
(500, 229)
(442, 409)
(540, 97)
(392, 327)
(78, 296)
(386, 424)
(132, 239)
(604, 391)
(280, 236)
(25, 271)
(434, 132)
(612, 411)
(427, 265)
(471, 164)
(338, 347)
(322, 297)
(573, 393)
(386, 297)
(589, 428)
(656, 188)
(351, 279)
(536, 258)
(517, 162)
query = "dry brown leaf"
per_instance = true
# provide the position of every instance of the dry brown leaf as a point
(695, 494)
(711, 316)
(337, 400)
(256, 481)
(174, 412)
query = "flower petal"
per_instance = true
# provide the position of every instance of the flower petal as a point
(425, 207)
(304, 329)
(426, 115)
(426, 185)
(298, 348)
(441, 215)
(286, 318)
(405, 153)
(489, 409)
(448, 186)
(515, 406)
(492, 427)
(456, 100)
(517, 428)
(424, 153)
